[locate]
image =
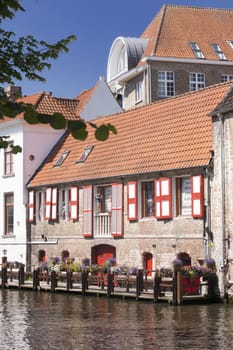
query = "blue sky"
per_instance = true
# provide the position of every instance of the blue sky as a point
(96, 24)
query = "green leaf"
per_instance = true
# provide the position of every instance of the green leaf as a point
(79, 134)
(16, 149)
(76, 124)
(112, 129)
(44, 118)
(31, 115)
(102, 133)
(3, 144)
(58, 121)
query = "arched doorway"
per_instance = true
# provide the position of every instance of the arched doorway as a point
(65, 255)
(185, 258)
(101, 253)
(41, 256)
(148, 263)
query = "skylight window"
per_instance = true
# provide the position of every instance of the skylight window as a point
(85, 154)
(196, 50)
(61, 158)
(230, 42)
(217, 49)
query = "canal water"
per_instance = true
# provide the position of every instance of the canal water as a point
(47, 321)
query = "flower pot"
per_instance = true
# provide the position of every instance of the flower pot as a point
(191, 285)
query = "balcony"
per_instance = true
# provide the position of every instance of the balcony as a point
(102, 225)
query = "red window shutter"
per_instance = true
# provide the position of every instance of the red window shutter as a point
(163, 198)
(132, 201)
(31, 206)
(117, 210)
(74, 203)
(54, 204)
(87, 211)
(48, 203)
(197, 196)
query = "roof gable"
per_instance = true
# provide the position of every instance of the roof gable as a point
(174, 27)
(167, 135)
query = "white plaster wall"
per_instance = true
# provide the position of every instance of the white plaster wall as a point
(38, 141)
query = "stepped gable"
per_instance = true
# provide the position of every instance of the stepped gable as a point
(167, 135)
(171, 30)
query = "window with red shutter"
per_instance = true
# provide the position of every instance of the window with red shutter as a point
(117, 210)
(197, 196)
(87, 211)
(48, 203)
(31, 206)
(163, 198)
(74, 203)
(54, 204)
(132, 201)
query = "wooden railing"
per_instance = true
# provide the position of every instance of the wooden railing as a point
(157, 287)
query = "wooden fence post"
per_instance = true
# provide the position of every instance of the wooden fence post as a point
(36, 281)
(53, 281)
(84, 278)
(69, 283)
(110, 287)
(139, 283)
(21, 275)
(4, 275)
(157, 280)
(177, 288)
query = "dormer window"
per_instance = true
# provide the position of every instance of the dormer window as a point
(230, 42)
(217, 49)
(61, 158)
(196, 50)
(138, 91)
(85, 154)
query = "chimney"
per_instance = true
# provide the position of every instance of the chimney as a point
(13, 92)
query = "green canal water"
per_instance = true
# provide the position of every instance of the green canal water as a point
(47, 321)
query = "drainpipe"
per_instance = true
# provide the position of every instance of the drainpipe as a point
(223, 195)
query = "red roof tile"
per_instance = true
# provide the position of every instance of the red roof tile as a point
(174, 27)
(171, 134)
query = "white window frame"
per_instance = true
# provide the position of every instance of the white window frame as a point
(230, 42)
(40, 205)
(196, 81)
(64, 206)
(196, 50)
(166, 83)
(226, 77)
(217, 49)
(138, 91)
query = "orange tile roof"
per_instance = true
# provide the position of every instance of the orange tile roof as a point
(175, 133)
(45, 103)
(174, 27)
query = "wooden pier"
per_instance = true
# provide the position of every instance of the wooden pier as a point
(139, 287)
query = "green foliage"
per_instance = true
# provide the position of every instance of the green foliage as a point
(28, 57)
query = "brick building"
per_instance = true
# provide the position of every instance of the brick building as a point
(183, 49)
(144, 195)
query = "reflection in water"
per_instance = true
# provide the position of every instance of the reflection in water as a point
(34, 320)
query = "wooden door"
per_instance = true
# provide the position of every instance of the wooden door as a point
(147, 263)
(101, 253)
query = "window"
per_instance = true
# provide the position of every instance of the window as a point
(166, 84)
(122, 60)
(138, 91)
(64, 204)
(183, 196)
(196, 50)
(217, 49)
(61, 158)
(40, 205)
(148, 199)
(8, 160)
(85, 154)
(9, 213)
(104, 199)
(226, 77)
(230, 42)
(196, 81)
